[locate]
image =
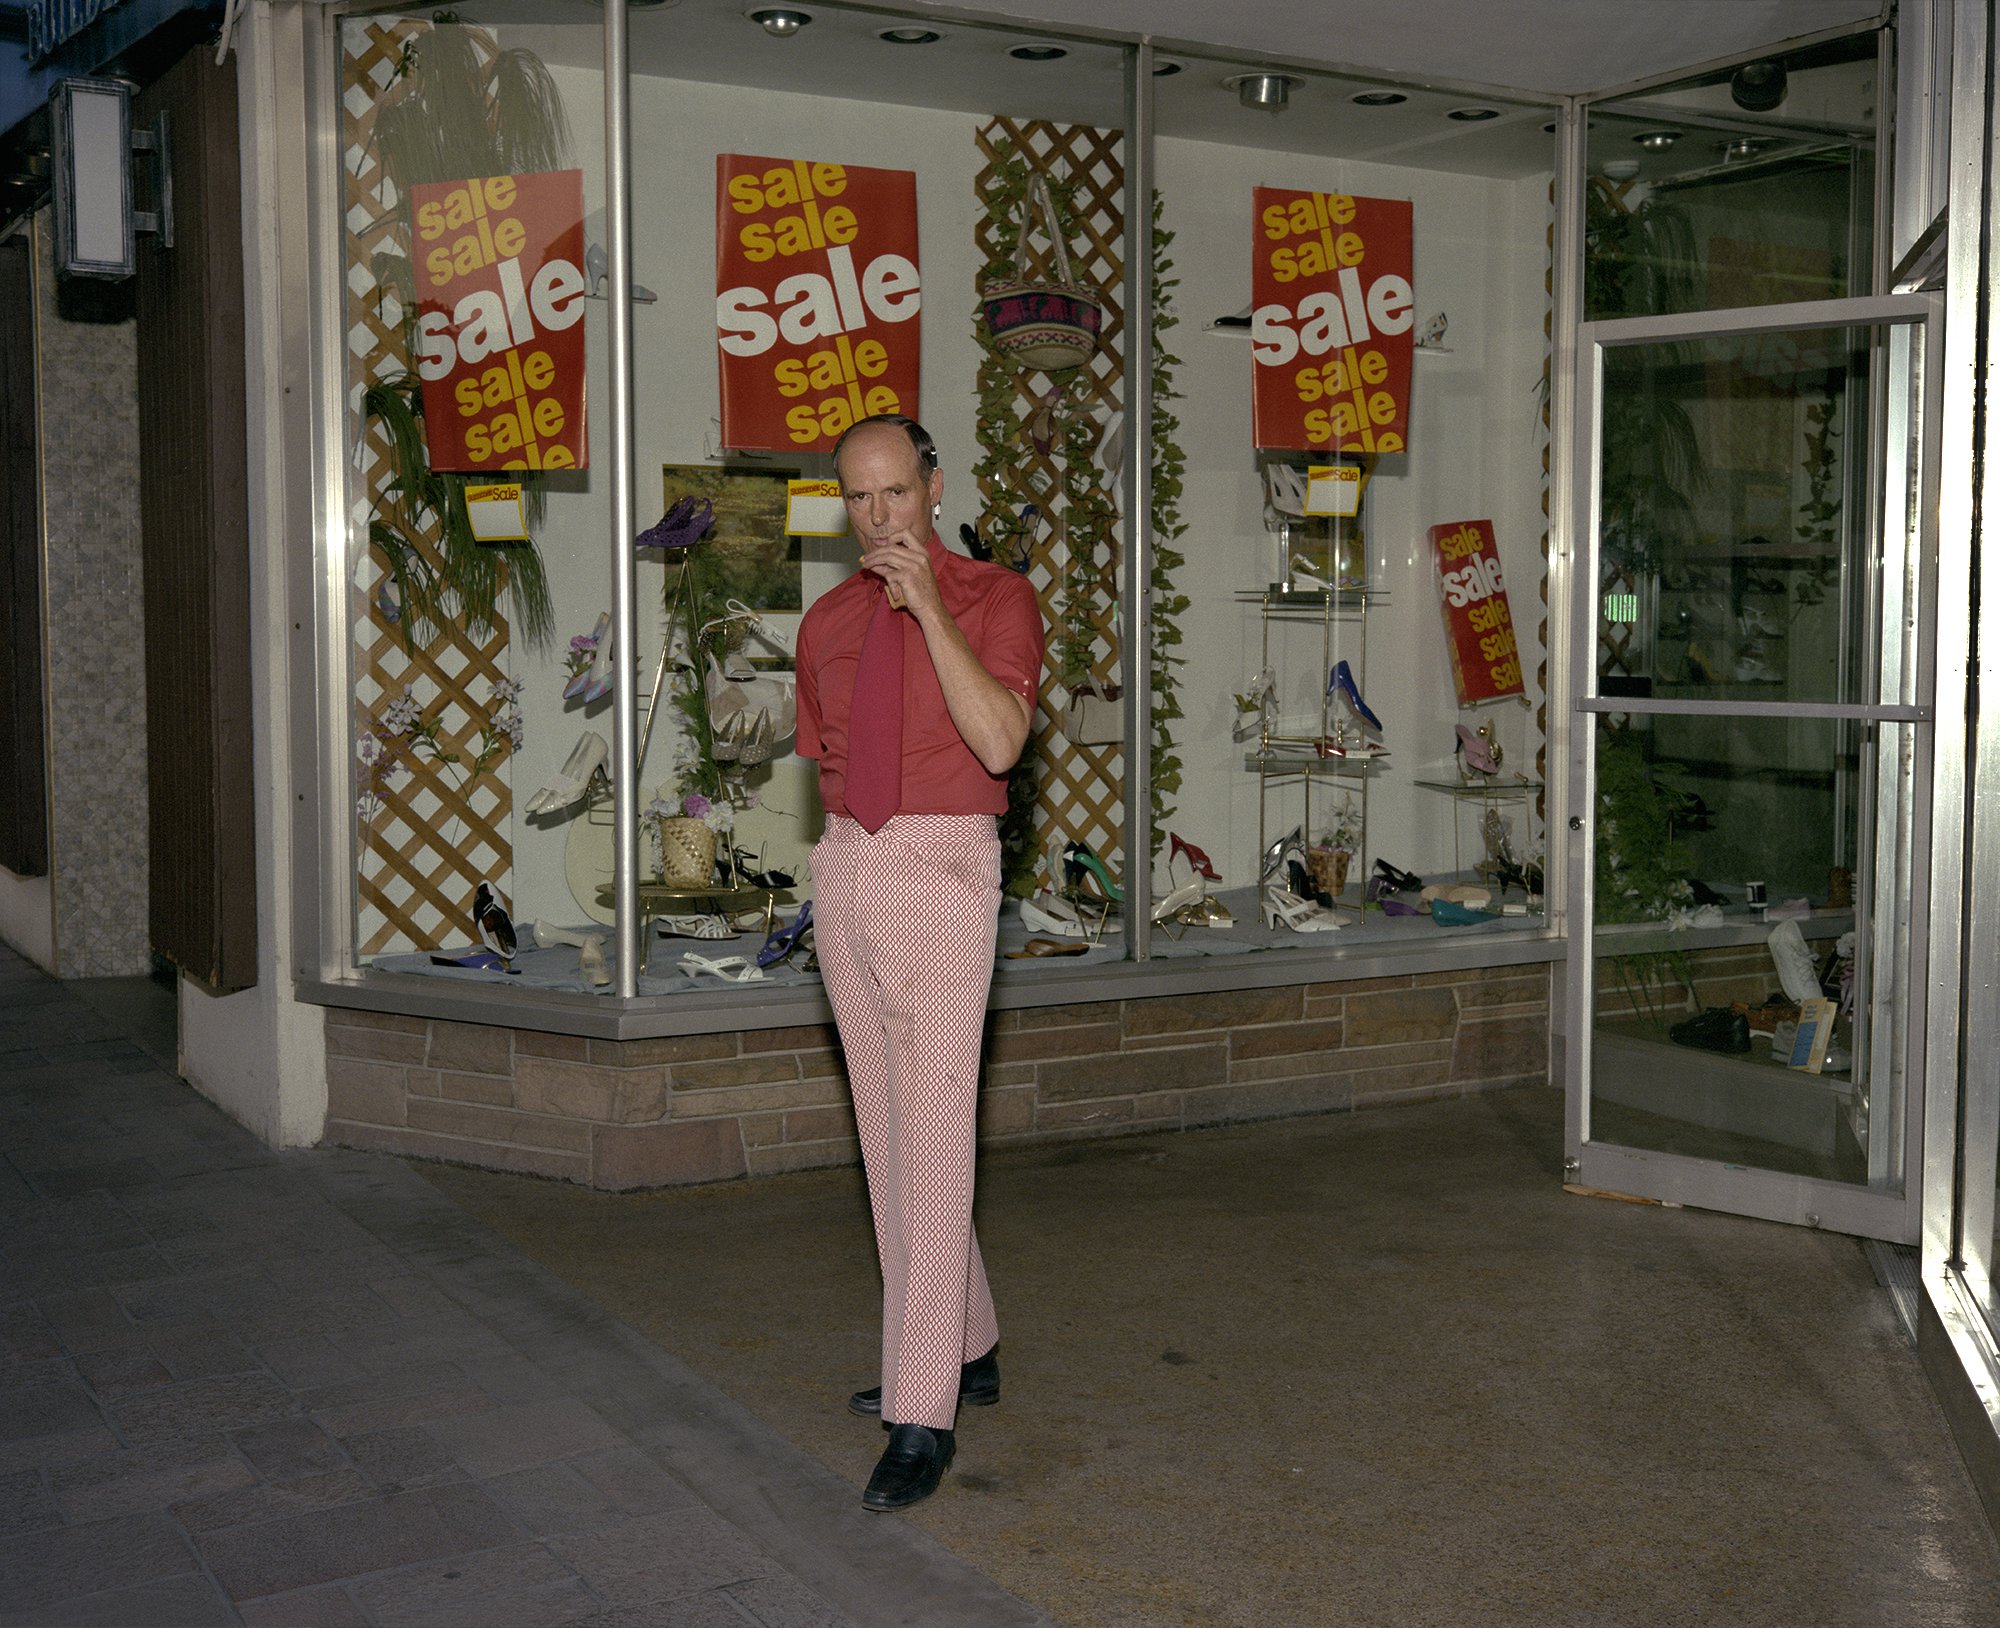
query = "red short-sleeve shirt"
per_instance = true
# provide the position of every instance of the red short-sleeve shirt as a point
(996, 611)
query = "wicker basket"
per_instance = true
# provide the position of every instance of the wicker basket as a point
(1328, 867)
(687, 853)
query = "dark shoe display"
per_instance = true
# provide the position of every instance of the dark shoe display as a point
(1717, 1029)
(910, 1468)
(978, 1386)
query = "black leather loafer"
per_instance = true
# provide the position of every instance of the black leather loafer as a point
(910, 1468)
(978, 1386)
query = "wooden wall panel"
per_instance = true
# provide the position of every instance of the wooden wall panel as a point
(194, 504)
(24, 782)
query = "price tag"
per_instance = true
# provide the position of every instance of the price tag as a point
(813, 508)
(496, 513)
(1334, 489)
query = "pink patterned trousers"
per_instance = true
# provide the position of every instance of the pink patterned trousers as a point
(904, 924)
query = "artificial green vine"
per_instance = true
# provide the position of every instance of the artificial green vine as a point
(998, 422)
(1820, 512)
(1163, 622)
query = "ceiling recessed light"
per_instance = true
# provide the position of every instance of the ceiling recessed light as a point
(1473, 115)
(1263, 92)
(1037, 53)
(1163, 67)
(780, 22)
(1745, 146)
(1657, 141)
(910, 36)
(1619, 169)
(1377, 98)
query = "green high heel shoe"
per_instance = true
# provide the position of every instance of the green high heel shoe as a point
(1079, 861)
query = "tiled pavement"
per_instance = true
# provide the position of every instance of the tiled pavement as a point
(306, 1389)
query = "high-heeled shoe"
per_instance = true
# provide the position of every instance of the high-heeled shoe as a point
(1301, 915)
(1274, 855)
(682, 526)
(585, 761)
(1175, 906)
(1402, 881)
(757, 875)
(591, 962)
(1051, 913)
(759, 740)
(1252, 705)
(600, 641)
(1478, 755)
(1198, 862)
(1302, 885)
(1285, 489)
(1341, 682)
(496, 927)
(1079, 862)
(783, 943)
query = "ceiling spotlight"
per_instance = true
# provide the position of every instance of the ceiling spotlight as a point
(780, 22)
(1757, 87)
(1619, 169)
(1166, 67)
(1745, 146)
(1657, 141)
(1037, 53)
(1473, 115)
(910, 36)
(1264, 92)
(1377, 98)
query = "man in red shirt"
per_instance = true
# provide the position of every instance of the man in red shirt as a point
(917, 682)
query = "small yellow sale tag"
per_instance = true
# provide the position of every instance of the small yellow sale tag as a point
(813, 508)
(496, 513)
(1334, 489)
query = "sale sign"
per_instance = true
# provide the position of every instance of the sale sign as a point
(1478, 626)
(816, 298)
(1331, 322)
(500, 289)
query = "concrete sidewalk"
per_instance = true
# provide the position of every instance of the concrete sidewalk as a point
(307, 1389)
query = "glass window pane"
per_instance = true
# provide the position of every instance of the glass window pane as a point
(1731, 518)
(1731, 893)
(1750, 186)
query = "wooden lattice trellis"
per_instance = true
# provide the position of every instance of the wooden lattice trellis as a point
(1082, 787)
(424, 840)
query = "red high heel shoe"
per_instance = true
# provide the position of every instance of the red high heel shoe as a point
(1198, 861)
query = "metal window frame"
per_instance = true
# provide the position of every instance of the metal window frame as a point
(1772, 1195)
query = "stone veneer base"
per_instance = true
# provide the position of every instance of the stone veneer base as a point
(698, 1108)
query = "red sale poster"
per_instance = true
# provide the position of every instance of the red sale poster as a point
(816, 299)
(1478, 626)
(500, 290)
(1331, 322)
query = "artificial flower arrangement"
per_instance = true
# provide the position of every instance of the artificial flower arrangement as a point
(403, 737)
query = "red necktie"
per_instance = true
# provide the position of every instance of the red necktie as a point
(874, 787)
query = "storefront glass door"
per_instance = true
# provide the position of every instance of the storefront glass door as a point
(1749, 756)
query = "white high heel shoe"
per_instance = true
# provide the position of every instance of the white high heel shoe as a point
(1301, 915)
(1253, 704)
(586, 759)
(1049, 913)
(591, 962)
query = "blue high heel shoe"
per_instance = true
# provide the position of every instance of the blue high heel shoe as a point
(784, 943)
(1341, 683)
(1079, 862)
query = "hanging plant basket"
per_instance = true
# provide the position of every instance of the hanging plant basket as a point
(1042, 325)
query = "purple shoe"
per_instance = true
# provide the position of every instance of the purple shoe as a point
(682, 526)
(1478, 755)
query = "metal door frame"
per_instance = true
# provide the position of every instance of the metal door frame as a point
(1871, 1211)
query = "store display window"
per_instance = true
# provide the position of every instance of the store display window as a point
(1337, 650)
